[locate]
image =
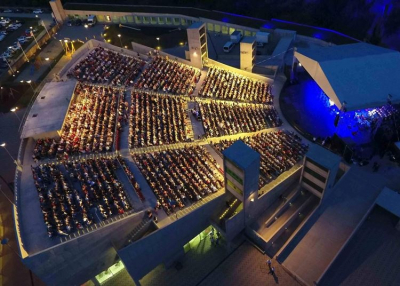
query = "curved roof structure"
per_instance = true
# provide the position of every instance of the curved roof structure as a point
(357, 76)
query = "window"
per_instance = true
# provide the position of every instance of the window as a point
(233, 175)
(313, 185)
(318, 165)
(233, 187)
(315, 174)
(210, 26)
(108, 18)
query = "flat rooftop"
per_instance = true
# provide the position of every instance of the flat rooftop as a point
(317, 244)
(372, 256)
(48, 111)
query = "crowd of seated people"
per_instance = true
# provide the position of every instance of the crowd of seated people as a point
(156, 120)
(99, 184)
(45, 148)
(106, 67)
(279, 151)
(221, 119)
(180, 177)
(89, 125)
(131, 177)
(169, 76)
(64, 209)
(226, 85)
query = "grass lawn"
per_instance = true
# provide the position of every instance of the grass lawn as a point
(169, 37)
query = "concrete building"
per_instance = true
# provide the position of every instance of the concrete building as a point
(247, 53)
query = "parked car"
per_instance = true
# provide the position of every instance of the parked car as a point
(13, 27)
(19, 21)
(3, 64)
(14, 48)
(70, 23)
(8, 11)
(78, 22)
(18, 11)
(6, 55)
(10, 51)
(3, 33)
(22, 39)
(5, 21)
(2, 37)
(37, 11)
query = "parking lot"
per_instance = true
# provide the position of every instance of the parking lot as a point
(12, 36)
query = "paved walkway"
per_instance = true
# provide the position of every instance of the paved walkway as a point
(50, 52)
(247, 266)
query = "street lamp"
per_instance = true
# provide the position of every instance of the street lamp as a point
(119, 36)
(158, 41)
(62, 45)
(14, 111)
(30, 83)
(86, 26)
(4, 146)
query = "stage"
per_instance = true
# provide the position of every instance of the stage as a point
(310, 111)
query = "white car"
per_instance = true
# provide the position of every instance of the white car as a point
(13, 27)
(13, 48)
(5, 21)
(37, 11)
(8, 11)
(21, 39)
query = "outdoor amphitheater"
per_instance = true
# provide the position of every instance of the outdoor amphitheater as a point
(133, 159)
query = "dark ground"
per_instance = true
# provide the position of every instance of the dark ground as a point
(169, 37)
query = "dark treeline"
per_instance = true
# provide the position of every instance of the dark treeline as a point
(350, 17)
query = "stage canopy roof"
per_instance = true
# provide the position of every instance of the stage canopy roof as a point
(357, 75)
(49, 109)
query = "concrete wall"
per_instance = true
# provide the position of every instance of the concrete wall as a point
(142, 49)
(77, 261)
(265, 200)
(166, 244)
(234, 225)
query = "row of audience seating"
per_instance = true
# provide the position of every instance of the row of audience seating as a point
(100, 185)
(156, 120)
(106, 67)
(180, 177)
(221, 119)
(89, 125)
(279, 150)
(169, 76)
(222, 84)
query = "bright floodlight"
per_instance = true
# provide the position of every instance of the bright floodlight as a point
(158, 39)
(29, 81)
(3, 145)
(22, 81)
(47, 59)
(119, 35)
(86, 26)
(65, 41)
